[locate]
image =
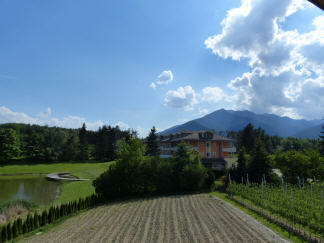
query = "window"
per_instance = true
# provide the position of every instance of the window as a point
(202, 153)
(214, 153)
(208, 155)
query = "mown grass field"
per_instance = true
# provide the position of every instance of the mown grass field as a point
(69, 190)
(183, 218)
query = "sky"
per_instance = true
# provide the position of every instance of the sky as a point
(139, 63)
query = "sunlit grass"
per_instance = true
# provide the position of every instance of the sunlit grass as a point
(69, 190)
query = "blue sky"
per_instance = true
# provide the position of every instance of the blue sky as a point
(67, 62)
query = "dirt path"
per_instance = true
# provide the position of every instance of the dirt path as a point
(188, 218)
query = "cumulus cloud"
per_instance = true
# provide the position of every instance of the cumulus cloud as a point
(164, 78)
(44, 118)
(287, 67)
(183, 97)
(212, 94)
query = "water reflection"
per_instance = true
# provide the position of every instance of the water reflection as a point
(32, 188)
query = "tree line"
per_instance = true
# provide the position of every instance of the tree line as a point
(139, 170)
(34, 143)
(259, 153)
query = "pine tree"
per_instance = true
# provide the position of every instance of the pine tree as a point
(153, 143)
(1, 240)
(260, 164)
(9, 232)
(25, 227)
(9, 144)
(321, 148)
(83, 140)
(4, 234)
(36, 221)
(44, 218)
(241, 169)
(19, 225)
(14, 229)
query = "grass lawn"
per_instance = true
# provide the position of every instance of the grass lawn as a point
(69, 190)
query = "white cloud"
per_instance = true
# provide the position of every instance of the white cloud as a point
(44, 118)
(122, 125)
(183, 97)
(164, 78)
(45, 114)
(212, 94)
(287, 67)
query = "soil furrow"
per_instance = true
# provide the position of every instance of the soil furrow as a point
(215, 221)
(185, 218)
(204, 233)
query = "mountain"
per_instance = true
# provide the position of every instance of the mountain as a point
(229, 120)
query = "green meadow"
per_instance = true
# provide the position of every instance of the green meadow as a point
(69, 190)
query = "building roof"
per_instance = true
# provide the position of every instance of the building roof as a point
(193, 135)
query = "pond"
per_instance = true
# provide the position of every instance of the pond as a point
(32, 188)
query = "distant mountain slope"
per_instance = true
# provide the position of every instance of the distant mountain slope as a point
(228, 120)
(312, 132)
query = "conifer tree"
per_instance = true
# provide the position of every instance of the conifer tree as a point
(4, 233)
(36, 221)
(19, 225)
(321, 148)
(14, 229)
(260, 164)
(25, 227)
(9, 232)
(153, 143)
(1, 240)
(83, 140)
(241, 169)
(44, 218)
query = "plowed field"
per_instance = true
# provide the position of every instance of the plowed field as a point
(188, 218)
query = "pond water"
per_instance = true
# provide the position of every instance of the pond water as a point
(32, 188)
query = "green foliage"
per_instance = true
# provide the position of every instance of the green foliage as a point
(137, 174)
(260, 163)
(35, 143)
(17, 202)
(295, 164)
(321, 145)
(152, 143)
(9, 144)
(298, 204)
(9, 231)
(83, 147)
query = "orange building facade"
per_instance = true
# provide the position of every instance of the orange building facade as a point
(213, 149)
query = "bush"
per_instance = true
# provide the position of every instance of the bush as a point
(135, 174)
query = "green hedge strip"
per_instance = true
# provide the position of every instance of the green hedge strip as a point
(34, 221)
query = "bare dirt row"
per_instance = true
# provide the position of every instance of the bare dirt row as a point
(185, 218)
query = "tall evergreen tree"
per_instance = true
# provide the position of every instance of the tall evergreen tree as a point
(83, 140)
(260, 163)
(321, 145)
(9, 144)
(153, 143)
(247, 138)
(241, 168)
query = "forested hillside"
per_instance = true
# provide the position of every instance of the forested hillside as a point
(34, 143)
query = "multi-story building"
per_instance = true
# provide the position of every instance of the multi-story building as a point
(214, 149)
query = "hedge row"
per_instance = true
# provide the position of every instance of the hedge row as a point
(34, 221)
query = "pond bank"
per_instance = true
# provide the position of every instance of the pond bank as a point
(63, 176)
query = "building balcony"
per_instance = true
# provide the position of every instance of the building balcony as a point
(165, 156)
(229, 149)
(168, 149)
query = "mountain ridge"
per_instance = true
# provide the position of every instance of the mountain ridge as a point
(230, 120)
